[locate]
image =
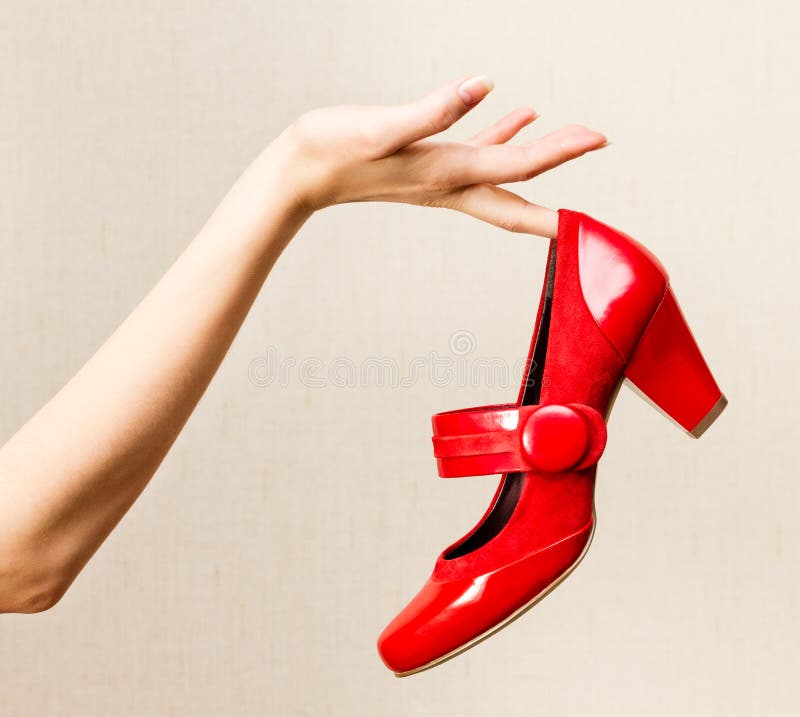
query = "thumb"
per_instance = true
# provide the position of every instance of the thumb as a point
(434, 113)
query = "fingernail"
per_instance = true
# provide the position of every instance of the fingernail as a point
(475, 89)
(601, 140)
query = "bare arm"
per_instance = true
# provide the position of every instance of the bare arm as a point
(72, 471)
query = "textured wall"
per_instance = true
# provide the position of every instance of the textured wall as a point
(255, 573)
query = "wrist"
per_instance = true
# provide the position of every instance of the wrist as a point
(282, 168)
(262, 211)
(310, 171)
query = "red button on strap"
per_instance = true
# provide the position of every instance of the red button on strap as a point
(502, 439)
(554, 438)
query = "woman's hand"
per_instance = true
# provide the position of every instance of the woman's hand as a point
(72, 471)
(351, 153)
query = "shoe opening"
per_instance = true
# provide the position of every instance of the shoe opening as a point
(508, 495)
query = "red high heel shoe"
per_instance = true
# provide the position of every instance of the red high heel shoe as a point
(607, 312)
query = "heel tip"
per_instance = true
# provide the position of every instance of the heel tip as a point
(710, 417)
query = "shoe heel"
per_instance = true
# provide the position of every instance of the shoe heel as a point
(668, 368)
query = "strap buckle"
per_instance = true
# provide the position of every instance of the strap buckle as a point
(551, 438)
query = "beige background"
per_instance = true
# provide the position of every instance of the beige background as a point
(290, 523)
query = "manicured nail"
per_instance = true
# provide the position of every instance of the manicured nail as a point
(601, 140)
(475, 89)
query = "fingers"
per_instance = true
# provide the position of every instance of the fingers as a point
(565, 144)
(505, 129)
(434, 113)
(504, 209)
(499, 164)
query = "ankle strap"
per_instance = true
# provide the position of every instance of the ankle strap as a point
(550, 438)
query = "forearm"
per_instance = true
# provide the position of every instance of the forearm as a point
(70, 473)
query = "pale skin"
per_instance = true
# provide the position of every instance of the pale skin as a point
(74, 469)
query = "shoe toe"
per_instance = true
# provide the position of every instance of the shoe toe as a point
(428, 628)
(449, 615)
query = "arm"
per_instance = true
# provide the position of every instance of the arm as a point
(72, 471)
